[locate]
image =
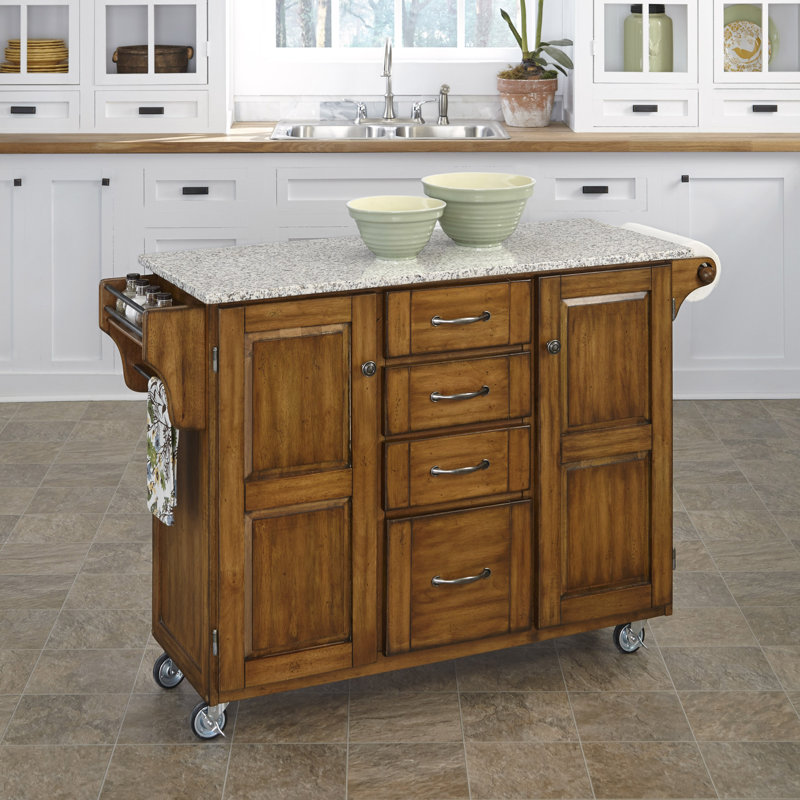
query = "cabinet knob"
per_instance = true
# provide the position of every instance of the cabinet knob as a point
(554, 347)
(706, 273)
(369, 368)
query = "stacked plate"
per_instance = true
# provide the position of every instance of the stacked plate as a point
(44, 55)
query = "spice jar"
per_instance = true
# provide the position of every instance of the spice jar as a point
(128, 291)
(659, 39)
(163, 299)
(140, 297)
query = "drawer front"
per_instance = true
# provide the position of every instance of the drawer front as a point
(755, 111)
(33, 112)
(646, 109)
(457, 318)
(445, 469)
(459, 576)
(155, 112)
(601, 193)
(437, 395)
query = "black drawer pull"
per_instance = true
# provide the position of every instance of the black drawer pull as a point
(644, 109)
(770, 109)
(22, 110)
(151, 110)
(195, 190)
(595, 189)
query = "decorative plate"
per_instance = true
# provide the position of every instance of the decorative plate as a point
(743, 40)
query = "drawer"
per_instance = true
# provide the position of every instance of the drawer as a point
(34, 112)
(457, 318)
(600, 193)
(204, 197)
(485, 555)
(445, 469)
(645, 108)
(154, 112)
(441, 394)
(755, 110)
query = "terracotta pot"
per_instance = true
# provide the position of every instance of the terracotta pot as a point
(527, 103)
(168, 58)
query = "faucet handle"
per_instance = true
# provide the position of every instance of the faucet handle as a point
(416, 110)
(361, 109)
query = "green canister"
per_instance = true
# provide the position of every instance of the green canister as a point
(660, 43)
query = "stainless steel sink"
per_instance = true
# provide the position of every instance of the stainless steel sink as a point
(337, 129)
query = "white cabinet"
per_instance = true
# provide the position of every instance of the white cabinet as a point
(685, 64)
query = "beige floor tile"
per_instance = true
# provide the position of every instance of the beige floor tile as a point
(692, 556)
(526, 770)
(84, 672)
(794, 699)
(682, 528)
(97, 629)
(530, 668)
(686, 450)
(427, 678)
(42, 558)
(741, 716)
(123, 412)
(785, 660)
(105, 451)
(761, 556)
(28, 452)
(517, 717)
(700, 589)
(630, 716)
(403, 771)
(56, 528)
(166, 772)
(647, 770)
(17, 475)
(165, 718)
(774, 625)
(52, 499)
(130, 500)
(688, 474)
(754, 769)
(287, 772)
(780, 498)
(125, 528)
(719, 668)
(33, 431)
(24, 628)
(15, 669)
(16, 499)
(64, 773)
(7, 524)
(34, 592)
(8, 702)
(119, 557)
(76, 476)
(99, 430)
(405, 717)
(66, 719)
(55, 410)
(764, 588)
(293, 717)
(591, 662)
(110, 590)
(707, 627)
(720, 496)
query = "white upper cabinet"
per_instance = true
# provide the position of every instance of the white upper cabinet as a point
(701, 64)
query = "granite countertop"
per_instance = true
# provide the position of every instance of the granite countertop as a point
(321, 266)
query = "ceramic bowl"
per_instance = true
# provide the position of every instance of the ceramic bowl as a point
(395, 227)
(483, 208)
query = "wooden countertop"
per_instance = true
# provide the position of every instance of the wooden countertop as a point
(254, 138)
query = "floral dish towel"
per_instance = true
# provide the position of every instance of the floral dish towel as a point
(162, 454)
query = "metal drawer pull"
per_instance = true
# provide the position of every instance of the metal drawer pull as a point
(769, 109)
(595, 189)
(461, 470)
(194, 190)
(438, 581)
(645, 109)
(151, 109)
(22, 110)
(437, 320)
(482, 392)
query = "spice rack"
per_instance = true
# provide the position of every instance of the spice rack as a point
(170, 344)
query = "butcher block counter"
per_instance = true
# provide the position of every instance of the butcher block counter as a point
(388, 464)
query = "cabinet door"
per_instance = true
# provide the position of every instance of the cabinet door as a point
(604, 449)
(298, 427)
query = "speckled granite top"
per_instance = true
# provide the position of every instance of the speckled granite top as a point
(319, 266)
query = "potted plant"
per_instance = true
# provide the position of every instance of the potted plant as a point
(527, 90)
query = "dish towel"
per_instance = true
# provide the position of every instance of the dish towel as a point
(162, 454)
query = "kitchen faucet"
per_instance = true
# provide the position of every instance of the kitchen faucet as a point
(388, 106)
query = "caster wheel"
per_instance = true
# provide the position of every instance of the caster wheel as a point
(202, 725)
(165, 673)
(626, 640)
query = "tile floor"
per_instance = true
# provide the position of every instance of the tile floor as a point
(710, 710)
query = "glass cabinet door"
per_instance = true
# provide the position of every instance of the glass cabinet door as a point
(150, 42)
(744, 54)
(39, 40)
(645, 42)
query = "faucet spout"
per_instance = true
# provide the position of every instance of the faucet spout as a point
(388, 105)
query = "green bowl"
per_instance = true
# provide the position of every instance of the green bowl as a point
(483, 208)
(395, 227)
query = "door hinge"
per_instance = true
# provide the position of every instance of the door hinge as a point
(674, 310)
(594, 47)
(214, 642)
(674, 559)
(215, 359)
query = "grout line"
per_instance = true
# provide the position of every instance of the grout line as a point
(463, 734)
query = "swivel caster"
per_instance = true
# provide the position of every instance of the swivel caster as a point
(208, 722)
(165, 673)
(627, 640)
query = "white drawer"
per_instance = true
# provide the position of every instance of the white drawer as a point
(645, 108)
(34, 112)
(151, 112)
(593, 193)
(199, 196)
(748, 110)
(170, 240)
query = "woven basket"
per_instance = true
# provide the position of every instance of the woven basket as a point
(168, 58)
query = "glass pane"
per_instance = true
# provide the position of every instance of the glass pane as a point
(9, 37)
(784, 37)
(126, 26)
(667, 42)
(619, 38)
(48, 48)
(365, 23)
(175, 28)
(742, 37)
(429, 23)
(303, 23)
(484, 25)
